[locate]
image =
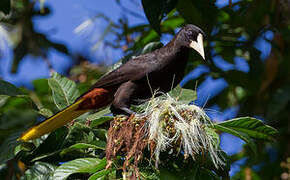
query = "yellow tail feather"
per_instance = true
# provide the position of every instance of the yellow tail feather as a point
(54, 122)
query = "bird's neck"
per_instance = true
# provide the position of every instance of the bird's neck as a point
(176, 50)
(175, 46)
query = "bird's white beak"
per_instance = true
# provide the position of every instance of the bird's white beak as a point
(198, 45)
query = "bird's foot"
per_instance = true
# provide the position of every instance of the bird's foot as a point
(122, 111)
(88, 123)
(71, 123)
(128, 111)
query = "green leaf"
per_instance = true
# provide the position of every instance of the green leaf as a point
(42, 94)
(5, 6)
(151, 47)
(64, 91)
(39, 171)
(79, 133)
(82, 165)
(8, 147)
(147, 38)
(18, 103)
(98, 114)
(3, 99)
(9, 89)
(156, 10)
(240, 135)
(250, 126)
(99, 174)
(99, 121)
(45, 112)
(41, 86)
(148, 173)
(182, 94)
(80, 146)
(171, 23)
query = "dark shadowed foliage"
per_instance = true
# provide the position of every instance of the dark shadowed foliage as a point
(257, 82)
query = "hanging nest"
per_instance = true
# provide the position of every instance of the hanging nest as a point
(166, 124)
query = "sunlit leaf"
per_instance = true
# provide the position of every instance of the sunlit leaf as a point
(99, 121)
(99, 174)
(238, 134)
(151, 47)
(23, 102)
(251, 126)
(45, 112)
(79, 133)
(82, 165)
(3, 99)
(64, 91)
(171, 23)
(98, 114)
(182, 94)
(80, 146)
(41, 86)
(39, 171)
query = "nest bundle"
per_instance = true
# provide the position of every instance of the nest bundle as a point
(165, 125)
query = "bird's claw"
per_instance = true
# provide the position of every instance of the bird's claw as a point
(128, 111)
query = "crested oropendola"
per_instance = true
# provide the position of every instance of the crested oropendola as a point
(159, 70)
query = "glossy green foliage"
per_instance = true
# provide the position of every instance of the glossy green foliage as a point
(156, 10)
(261, 89)
(82, 165)
(64, 91)
(75, 151)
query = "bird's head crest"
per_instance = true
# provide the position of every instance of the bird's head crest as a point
(192, 36)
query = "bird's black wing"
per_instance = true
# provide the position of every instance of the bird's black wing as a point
(132, 70)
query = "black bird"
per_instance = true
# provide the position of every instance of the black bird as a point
(160, 70)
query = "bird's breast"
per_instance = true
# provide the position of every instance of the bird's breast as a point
(164, 78)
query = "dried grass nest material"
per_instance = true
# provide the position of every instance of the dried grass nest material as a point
(166, 124)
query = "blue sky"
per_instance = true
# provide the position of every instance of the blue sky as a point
(59, 26)
(67, 15)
